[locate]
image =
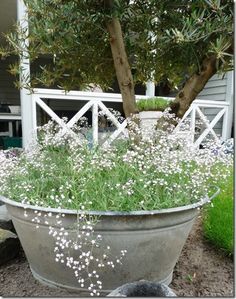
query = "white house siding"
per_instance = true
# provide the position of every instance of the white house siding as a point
(215, 89)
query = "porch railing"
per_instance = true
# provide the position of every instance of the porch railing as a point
(194, 112)
(95, 102)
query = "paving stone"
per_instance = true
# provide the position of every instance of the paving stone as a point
(5, 219)
(9, 245)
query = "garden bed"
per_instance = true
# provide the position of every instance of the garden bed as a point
(201, 271)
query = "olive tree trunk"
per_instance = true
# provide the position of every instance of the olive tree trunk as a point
(193, 86)
(121, 64)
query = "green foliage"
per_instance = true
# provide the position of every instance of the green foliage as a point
(153, 104)
(192, 31)
(165, 39)
(64, 171)
(218, 221)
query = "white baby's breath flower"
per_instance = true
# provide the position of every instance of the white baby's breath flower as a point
(61, 171)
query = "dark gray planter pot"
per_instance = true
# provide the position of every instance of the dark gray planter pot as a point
(153, 240)
(142, 288)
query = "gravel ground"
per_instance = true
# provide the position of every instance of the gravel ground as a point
(202, 271)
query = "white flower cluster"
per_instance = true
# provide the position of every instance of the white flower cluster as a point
(62, 171)
(105, 120)
(79, 247)
(164, 171)
(8, 163)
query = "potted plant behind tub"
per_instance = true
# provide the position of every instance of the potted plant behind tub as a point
(150, 110)
(92, 219)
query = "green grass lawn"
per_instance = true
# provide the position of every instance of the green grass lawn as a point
(218, 224)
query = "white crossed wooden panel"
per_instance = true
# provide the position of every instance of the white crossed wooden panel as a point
(92, 104)
(52, 114)
(195, 110)
(120, 126)
(209, 126)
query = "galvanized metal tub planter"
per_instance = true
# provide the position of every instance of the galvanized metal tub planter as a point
(153, 240)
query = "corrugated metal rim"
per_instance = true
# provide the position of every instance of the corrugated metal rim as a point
(111, 213)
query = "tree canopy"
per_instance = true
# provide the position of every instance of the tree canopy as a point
(92, 41)
(193, 31)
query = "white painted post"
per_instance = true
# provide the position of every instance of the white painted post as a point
(95, 123)
(228, 117)
(34, 112)
(193, 122)
(150, 89)
(25, 96)
(150, 85)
